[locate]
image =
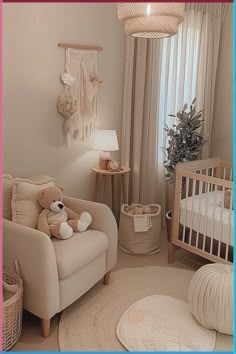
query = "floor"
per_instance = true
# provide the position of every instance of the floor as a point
(31, 340)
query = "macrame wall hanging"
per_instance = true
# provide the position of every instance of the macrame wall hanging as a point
(78, 102)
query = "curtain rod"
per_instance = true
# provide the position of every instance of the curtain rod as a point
(79, 46)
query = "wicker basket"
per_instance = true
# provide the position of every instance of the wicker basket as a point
(147, 242)
(12, 312)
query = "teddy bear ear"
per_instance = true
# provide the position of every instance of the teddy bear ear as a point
(60, 187)
(40, 194)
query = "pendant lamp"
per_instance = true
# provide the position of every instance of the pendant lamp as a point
(151, 20)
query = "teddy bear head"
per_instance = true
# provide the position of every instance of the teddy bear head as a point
(52, 198)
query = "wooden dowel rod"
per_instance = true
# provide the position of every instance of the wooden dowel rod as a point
(79, 46)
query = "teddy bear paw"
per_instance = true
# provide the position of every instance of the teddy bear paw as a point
(65, 231)
(84, 221)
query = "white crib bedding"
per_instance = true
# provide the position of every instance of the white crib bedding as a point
(207, 215)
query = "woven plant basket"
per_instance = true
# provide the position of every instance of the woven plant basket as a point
(12, 312)
(143, 243)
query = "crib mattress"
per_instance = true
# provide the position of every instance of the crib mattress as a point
(207, 215)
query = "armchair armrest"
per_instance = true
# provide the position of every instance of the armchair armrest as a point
(103, 220)
(35, 254)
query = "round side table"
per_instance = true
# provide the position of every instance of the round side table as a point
(105, 175)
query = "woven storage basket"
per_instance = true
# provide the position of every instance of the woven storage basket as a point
(12, 312)
(147, 242)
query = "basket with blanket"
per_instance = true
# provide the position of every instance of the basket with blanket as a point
(140, 228)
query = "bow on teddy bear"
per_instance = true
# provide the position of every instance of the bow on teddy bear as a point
(58, 220)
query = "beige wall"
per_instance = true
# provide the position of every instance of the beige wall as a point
(222, 125)
(33, 141)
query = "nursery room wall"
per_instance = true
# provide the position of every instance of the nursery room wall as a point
(33, 140)
(222, 127)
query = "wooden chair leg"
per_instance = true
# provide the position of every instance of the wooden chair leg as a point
(123, 189)
(106, 278)
(171, 253)
(45, 327)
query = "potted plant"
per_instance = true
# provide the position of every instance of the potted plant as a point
(184, 144)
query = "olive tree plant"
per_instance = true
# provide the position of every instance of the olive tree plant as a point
(184, 139)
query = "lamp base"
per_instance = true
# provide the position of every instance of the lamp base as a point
(103, 164)
(104, 157)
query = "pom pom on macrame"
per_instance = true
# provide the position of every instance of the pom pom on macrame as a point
(66, 105)
(67, 79)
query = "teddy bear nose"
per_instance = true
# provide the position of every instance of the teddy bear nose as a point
(60, 206)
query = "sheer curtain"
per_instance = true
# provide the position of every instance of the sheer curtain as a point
(160, 76)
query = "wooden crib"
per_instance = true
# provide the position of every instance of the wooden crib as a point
(202, 223)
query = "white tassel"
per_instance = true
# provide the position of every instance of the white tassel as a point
(67, 140)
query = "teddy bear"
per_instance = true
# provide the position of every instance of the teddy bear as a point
(58, 220)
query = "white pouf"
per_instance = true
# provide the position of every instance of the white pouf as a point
(210, 296)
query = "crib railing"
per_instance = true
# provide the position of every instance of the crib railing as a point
(202, 222)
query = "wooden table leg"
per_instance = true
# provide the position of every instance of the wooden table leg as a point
(122, 189)
(96, 186)
(103, 188)
(126, 188)
(113, 192)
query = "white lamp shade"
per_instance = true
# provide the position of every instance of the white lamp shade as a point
(151, 20)
(106, 140)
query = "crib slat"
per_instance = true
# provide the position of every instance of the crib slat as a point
(229, 226)
(221, 222)
(213, 220)
(224, 172)
(206, 216)
(231, 174)
(185, 212)
(199, 211)
(212, 175)
(192, 211)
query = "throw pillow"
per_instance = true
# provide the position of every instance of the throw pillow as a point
(25, 205)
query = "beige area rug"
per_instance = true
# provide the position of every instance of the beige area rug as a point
(163, 323)
(90, 323)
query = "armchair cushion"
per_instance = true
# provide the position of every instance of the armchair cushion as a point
(25, 206)
(78, 251)
(103, 220)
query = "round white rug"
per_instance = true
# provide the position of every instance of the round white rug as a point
(163, 323)
(90, 323)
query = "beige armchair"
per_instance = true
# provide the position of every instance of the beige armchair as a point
(57, 272)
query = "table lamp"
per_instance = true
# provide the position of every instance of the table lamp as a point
(105, 141)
